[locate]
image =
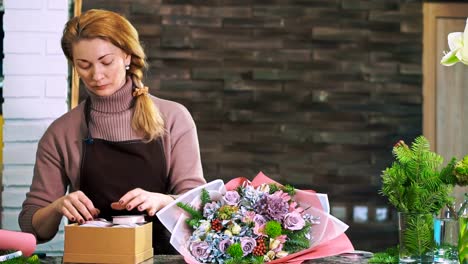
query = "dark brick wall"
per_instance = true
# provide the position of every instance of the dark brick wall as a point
(311, 92)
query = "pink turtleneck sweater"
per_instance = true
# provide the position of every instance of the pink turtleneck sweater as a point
(58, 156)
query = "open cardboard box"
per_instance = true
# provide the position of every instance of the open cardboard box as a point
(108, 244)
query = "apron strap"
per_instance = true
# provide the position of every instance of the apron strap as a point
(87, 111)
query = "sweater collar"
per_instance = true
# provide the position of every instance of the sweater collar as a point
(120, 101)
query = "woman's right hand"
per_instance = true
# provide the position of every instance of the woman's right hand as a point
(76, 206)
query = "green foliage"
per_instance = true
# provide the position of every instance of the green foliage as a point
(226, 211)
(414, 182)
(250, 260)
(205, 197)
(273, 229)
(418, 234)
(461, 172)
(447, 173)
(235, 250)
(34, 259)
(297, 240)
(195, 215)
(389, 256)
(273, 188)
(463, 240)
(289, 189)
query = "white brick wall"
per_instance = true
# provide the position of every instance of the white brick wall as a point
(35, 93)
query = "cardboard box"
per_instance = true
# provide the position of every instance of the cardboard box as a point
(108, 244)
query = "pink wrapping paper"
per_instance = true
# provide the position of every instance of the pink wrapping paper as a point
(14, 240)
(328, 237)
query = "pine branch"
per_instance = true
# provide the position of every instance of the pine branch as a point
(447, 174)
(414, 183)
(205, 197)
(296, 245)
(289, 189)
(297, 240)
(194, 213)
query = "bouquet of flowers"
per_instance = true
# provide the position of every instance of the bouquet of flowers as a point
(253, 222)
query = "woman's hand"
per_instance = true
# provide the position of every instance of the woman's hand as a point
(143, 201)
(76, 206)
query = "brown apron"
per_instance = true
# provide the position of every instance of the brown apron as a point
(111, 169)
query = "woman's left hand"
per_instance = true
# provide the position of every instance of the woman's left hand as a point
(143, 201)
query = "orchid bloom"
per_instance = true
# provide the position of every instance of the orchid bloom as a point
(458, 50)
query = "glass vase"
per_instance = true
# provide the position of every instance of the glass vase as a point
(416, 237)
(446, 240)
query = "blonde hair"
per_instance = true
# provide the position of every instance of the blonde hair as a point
(119, 31)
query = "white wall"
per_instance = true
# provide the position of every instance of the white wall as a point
(35, 93)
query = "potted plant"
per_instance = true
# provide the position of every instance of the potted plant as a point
(417, 186)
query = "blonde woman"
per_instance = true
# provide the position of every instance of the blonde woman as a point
(122, 150)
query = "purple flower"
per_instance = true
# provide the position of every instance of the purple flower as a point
(200, 249)
(231, 198)
(293, 221)
(259, 219)
(277, 208)
(224, 244)
(247, 244)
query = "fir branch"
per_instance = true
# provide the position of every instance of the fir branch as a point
(418, 235)
(297, 240)
(414, 182)
(296, 244)
(195, 215)
(447, 174)
(205, 198)
(273, 188)
(289, 189)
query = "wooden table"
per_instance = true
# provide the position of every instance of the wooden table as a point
(166, 259)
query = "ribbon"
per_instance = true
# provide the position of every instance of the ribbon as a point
(140, 91)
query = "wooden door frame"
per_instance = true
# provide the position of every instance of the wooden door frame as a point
(431, 58)
(75, 79)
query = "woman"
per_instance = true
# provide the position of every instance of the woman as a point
(122, 151)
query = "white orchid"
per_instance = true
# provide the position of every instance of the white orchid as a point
(458, 44)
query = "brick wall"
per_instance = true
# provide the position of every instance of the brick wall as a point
(313, 93)
(35, 93)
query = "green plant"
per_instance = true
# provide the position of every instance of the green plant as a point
(389, 256)
(463, 241)
(34, 259)
(418, 187)
(418, 234)
(414, 183)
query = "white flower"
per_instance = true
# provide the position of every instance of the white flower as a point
(274, 243)
(204, 226)
(269, 256)
(281, 254)
(458, 44)
(236, 229)
(228, 233)
(265, 188)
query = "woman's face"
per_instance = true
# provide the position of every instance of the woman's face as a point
(100, 65)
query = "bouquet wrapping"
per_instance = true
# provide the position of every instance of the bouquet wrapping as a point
(209, 241)
(15, 240)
